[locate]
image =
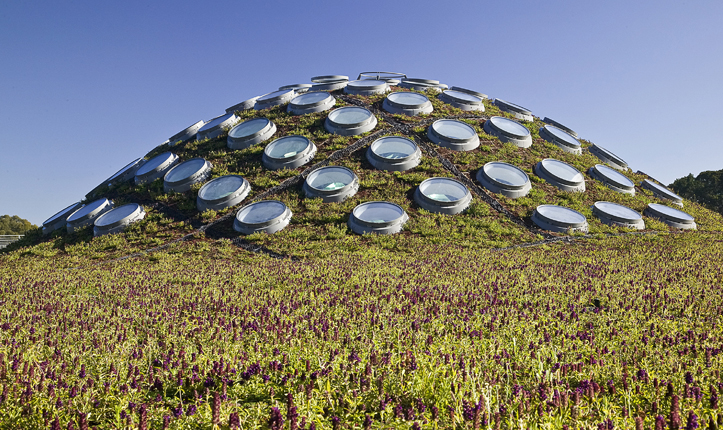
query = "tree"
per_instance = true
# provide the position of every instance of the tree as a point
(706, 189)
(14, 225)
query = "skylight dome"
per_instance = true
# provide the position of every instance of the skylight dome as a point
(288, 152)
(58, 221)
(249, 133)
(329, 82)
(377, 218)
(156, 167)
(275, 98)
(503, 178)
(673, 217)
(244, 105)
(507, 130)
(298, 88)
(216, 126)
(180, 178)
(442, 195)
(608, 157)
(118, 219)
(188, 133)
(127, 173)
(561, 175)
(366, 87)
(618, 215)
(382, 76)
(612, 179)
(350, 121)
(561, 139)
(547, 120)
(483, 96)
(331, 184)
(559, 219)
(407, 103)
(462, 100)
(317, 101)
(453, 134)
(517, 111)
(421, 84)
(87, 214)
(267, 216)
(394, 153)
(222, 192)
(661, 192)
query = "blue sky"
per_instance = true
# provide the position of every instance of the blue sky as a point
(86, 87)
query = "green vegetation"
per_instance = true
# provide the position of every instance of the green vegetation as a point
(706, 189)
(14, 225)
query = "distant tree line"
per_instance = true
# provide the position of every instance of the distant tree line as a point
(14, 225)
(706, 189)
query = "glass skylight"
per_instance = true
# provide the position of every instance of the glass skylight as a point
(673, 217)
(394, 153)
(608, 157)
(267, 216)
(561, 175)
(331, 183)
(350, 121)
(58, 220)
(127, 173)
(118, 219)
(505, 179)
(453, 134)
(275, 98)
(156, 167)
(250, 132)
(366, 87)
(547, 120)
(407, 103)
(612, 179)
(442, 195)
(507, 130)
(661, 192)
(244, 105)
(216, 126)
(618, 215)
(377, 218)
(561, 139)
(517, 111)
(474, 93)
(188, 133)
(85, 216)
(329, 82)
(288, 152)
(222, 192)
(298, 88)
(318, 101)
(559, 219)
(462, 100)
(183, 176)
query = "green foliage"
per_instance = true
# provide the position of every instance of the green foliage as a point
(13, 225)
(706, 189)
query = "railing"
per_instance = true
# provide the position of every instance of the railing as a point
(7, 239)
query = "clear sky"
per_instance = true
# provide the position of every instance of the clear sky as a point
(88, 86)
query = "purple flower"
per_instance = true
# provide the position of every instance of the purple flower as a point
(688, 378)
(191, 410)
(692, 423)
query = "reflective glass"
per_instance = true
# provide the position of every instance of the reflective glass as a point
(561, 214)
(125, 169)
(463, 96)
(407, 99)
(221, 187)
(185, 169)
(611, 156)
(215, 122)
(117, 214)
(273, 95)
(614, 175)
(286, 147)
(662, 190)
(443, 189)
(153, 163)
(310, 98)
(453, 129)
(617, 210)
(674, 213)
(508, 126)
(378, 212)
(349, 115)
(85, 210)
(366, 83)
(506, 174)
(393, 147)
(562, 135)
(330, 178)
(249, 128)
(60, 214)
(562, 170)
(261, 212)
(517, 107)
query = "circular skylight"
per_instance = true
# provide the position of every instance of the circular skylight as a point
(407, 103)
(85, 216)
(382, 76)
(423, 81)
(58, 220)
(216, 126)
(324, 79)
(613, 179)
(507, 130)
(366, 87)
(505, 179)
(518, 111)
(311, 102)
(331, 183)
(244, 105)
(394, 153)
(474, 93)
(188, 133)
(156, 167)
(275, 98)
(378, 218)
(462, 100)
(559, 219)
(661, 192)
(183, 176)
(673, 217)
(547, 120)
(442, 195)
(350, 121)
(267, 216)
(608, 157)
(618, 215)
(222, 192)
(453, 134)
(249, 133)
(127, 173)
(561, 175)
(561, 139)
(298, 88)
(419, 86)
(116, 220)
(288, 152)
